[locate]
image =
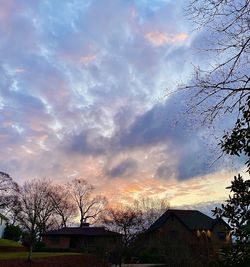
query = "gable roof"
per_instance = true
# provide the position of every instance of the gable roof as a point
(86, 231)
(192, 219)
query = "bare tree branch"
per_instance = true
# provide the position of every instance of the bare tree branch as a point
(89, 206)
(226, 83)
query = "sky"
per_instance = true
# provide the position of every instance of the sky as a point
(89, 89)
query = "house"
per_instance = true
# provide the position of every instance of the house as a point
(190, 231)
(85, 238)
(3, 223)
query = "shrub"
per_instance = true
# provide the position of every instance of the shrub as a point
(12, 232)
(39, 246)
(151, 256)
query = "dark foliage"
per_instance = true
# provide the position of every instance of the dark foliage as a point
(12, 232)
(236, 211)
(151, 255)
(237, 142)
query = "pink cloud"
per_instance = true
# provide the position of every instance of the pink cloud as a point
(87, 59)
(157, 38)
(20, 70)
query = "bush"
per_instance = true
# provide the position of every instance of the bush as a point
(235, 256)
(39, 246)
(12, 232)
(25, 239)
(151, 256)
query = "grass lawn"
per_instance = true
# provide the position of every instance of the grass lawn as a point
(24, 255)
(9, 243)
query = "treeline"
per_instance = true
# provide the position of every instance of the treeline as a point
(40, 205)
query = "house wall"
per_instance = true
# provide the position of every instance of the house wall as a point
(199, 242)
(90, 243)
(57, 241)
(172, 239)
(106, 243)
(173, 229)
(221, 237)
(2, 226)
(215, 239)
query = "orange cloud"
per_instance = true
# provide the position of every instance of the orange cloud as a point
(157, 38)
(87, 59)
(179, 193)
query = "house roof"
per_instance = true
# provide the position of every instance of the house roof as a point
(192, 219)
(86, 231)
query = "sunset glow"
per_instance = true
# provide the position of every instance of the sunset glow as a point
(87, 91)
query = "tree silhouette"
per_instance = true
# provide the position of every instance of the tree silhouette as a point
(225, 84)
(126, 221)
(224, 87)
(236, 211)
(89, 206)
(237, 142)
(8, 190)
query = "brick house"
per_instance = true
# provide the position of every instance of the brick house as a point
(85, 238)
(188, 230)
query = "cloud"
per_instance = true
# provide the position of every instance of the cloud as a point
(20, 70)
(164, 170)
(158, 38)
(126, 168)
(86, 143)
(168, 124)
(82, 94)
(87, 59)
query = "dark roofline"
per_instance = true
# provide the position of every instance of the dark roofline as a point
(72, 231)
(168, 217)
(220, 220)
(161, 220)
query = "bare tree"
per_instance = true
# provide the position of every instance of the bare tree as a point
(8, 190)
(64, 207)
(36, 210)
(135, 219)
(47, 219)
(90, 207)
(225, 84)
(126, 221)
(151, 209)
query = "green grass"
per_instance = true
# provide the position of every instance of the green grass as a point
(9, 243)
(24, 255)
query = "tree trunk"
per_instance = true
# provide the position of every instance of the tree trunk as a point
(64, 222)
(81, 222)
(30, 253)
